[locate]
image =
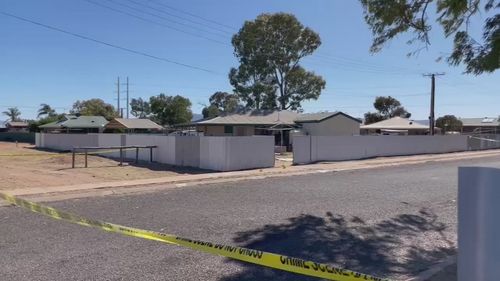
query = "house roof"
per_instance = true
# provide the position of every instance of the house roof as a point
(320, 116)
(481, 122)
(16, 124)
(396, 123)
(253, 117)
(121, 123)
(77, 122)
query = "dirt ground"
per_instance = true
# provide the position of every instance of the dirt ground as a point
(43, 168)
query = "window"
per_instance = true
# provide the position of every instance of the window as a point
(228, 129)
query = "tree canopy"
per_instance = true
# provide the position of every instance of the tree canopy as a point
(221, 103)
(13, 113)
(170, 110)
(46, 110)
(449, 123)
(269, 50)
(94, 107)
(387, 107)
(388, 19)
(140, 108)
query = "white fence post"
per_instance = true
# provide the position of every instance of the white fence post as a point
(478, 224)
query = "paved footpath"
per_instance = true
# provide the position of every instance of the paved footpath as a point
(393, 222)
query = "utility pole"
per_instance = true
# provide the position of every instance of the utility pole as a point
(118, 100)
(128, 102)
(433, 92)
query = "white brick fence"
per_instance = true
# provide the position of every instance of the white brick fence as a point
(309, 149)
(213, 153)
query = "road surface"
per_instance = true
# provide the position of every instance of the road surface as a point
(390, 222)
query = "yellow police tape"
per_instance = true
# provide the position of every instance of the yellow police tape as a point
(276, 261)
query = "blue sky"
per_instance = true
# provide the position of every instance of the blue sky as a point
(38, 65)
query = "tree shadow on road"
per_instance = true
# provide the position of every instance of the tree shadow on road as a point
(397, 248)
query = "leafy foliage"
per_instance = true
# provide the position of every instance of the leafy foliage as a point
(210, 111)
(269, 50)
(389, 18)
(373, 117)
(221, 103)
(94, 107)
(140, 108)
(34, 124)
(13, 113)
(46, 110)
(449, 123)
(170, 110)
(387, 107)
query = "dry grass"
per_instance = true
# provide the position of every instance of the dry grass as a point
(43, 168)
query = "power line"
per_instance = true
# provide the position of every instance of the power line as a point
(162, 17)
(351, 64)
(345, 67)
(193, 15)
(354, 62)
(177, 16)
(346, 64)
(155, 22)
(373, 96)
(107, 44)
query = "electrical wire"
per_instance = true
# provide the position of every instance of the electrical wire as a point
(193, 15)
(108, 44)
(154, 22)
(132, 8)
(179, 17)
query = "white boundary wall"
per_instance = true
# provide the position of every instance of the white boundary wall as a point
(308, 149)
(110, 140)
(213, 153)
(236, 153)
(65, 142)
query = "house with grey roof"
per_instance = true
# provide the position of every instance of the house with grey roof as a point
(17, 126)
(279, 124)
(328, 124)
(246, 123)
(76, 124)
(133, 125)
(396, 126)
(488, 125)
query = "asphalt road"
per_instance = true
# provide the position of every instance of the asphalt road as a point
(390, 222)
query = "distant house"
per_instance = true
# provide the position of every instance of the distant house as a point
(279, 124)
(17, 126)
(251, 122)
(3, 126)
(489, 125)
(396, 126)
(133, 125)
(246, 123)
(76, 124)
(328, 124)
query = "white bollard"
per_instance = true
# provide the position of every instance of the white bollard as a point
(478, 224)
